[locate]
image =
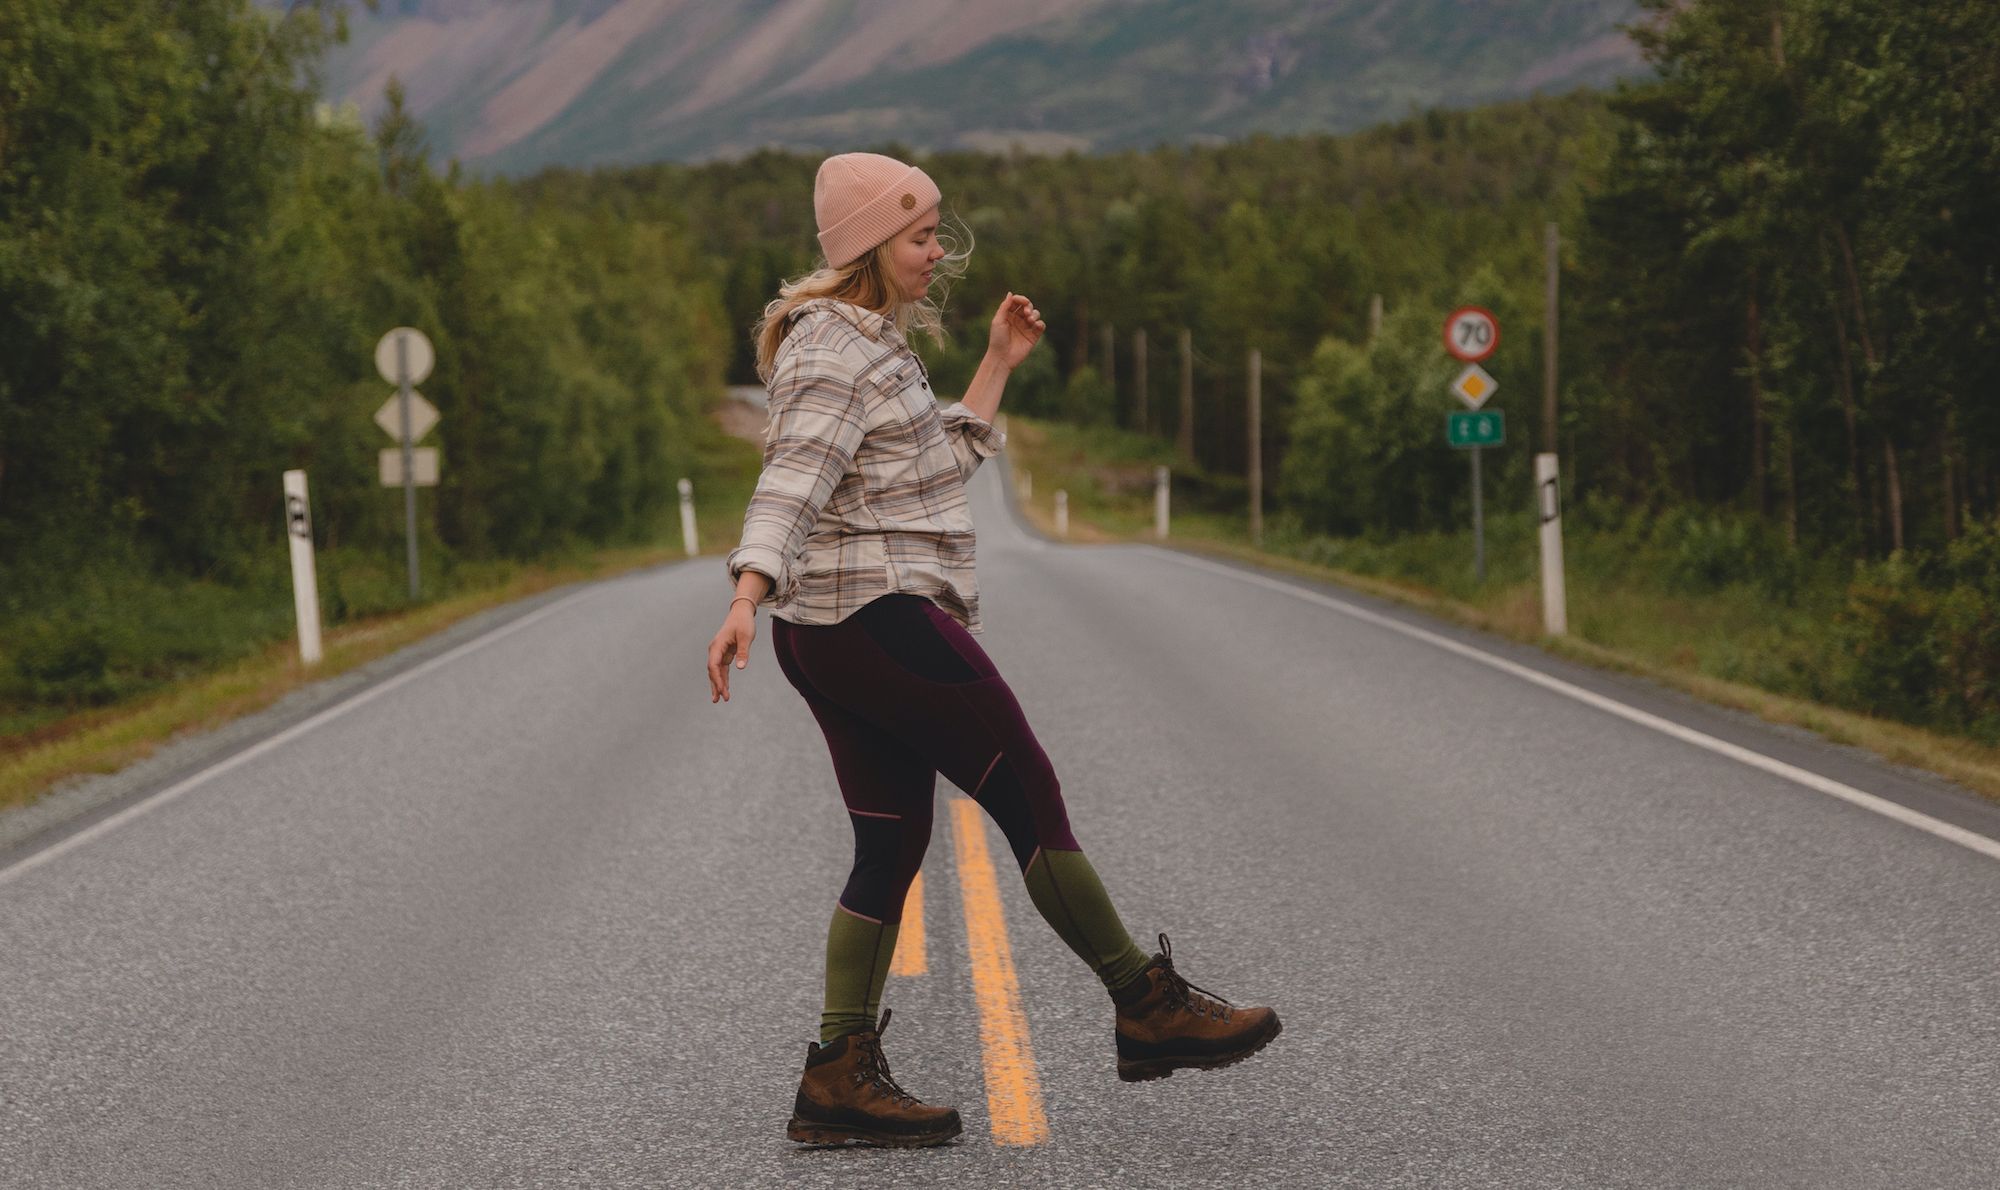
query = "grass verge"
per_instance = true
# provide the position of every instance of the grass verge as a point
(106, 738)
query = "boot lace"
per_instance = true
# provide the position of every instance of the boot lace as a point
(874, 1065)
(1187, 996)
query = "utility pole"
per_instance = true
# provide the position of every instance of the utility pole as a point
(1548, 487)
(1110, 334)
(1139, 375)
(1553, 246)
(1186, 434)
(1256, 448)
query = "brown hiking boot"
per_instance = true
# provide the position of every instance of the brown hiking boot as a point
(1166, 1024)
(847, 1095)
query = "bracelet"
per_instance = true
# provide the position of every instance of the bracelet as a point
(753, 603)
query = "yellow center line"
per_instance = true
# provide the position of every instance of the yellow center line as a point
(911, 958)
(1013, 1089)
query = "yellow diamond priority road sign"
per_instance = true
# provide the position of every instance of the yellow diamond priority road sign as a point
(1474, 385)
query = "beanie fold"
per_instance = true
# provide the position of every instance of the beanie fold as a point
(862, 199)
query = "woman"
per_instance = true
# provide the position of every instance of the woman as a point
(860, 540)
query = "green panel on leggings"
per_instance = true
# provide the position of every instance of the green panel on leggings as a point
(1066, 890)
(857, 965)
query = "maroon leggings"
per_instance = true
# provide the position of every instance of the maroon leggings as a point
(904, 693)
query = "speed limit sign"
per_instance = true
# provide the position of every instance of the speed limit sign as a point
(1471, 333)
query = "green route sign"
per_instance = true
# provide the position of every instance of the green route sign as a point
(1486, 427)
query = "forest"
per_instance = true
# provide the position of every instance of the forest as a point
(1778, 314)
(196, 261)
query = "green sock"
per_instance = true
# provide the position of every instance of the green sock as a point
(857, 966)
(1071, 898)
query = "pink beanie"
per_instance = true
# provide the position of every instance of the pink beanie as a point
(861, 199)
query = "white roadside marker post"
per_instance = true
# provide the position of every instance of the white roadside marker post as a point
(1160, 502)
(305, 581)
(1062, 514)
(687, 517)
(1555, 606)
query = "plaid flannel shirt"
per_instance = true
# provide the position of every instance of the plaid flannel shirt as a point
(863, 487)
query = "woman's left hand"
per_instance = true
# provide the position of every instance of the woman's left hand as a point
(1017, 327)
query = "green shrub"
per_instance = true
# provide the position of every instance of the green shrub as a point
(1710, 551)
(66, 660)
(1965, 631)
(1087, 400)
(1965, 647)
(1891, 659)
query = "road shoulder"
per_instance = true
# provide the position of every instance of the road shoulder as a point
(75, 803)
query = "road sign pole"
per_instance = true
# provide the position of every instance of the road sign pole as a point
(1471, 334)
(409, 460)
(404, 358)
(305, 582)
(1478, 522)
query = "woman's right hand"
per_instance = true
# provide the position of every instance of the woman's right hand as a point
(739, 628)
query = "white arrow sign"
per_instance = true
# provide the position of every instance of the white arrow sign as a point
(416, 350)
(423, 415)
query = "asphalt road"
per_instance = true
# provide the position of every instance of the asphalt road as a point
(534, 912)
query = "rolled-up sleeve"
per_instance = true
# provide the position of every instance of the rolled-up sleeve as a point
(973, 438)
(816, 425)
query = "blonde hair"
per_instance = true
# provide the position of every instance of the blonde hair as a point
(867, 282)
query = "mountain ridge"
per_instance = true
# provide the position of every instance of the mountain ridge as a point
(510, 86)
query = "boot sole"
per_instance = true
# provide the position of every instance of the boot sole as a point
(1141, 1070)
(808, 1133)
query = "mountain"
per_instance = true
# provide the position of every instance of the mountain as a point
(511, 85)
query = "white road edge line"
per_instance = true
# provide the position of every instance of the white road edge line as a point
(1756, 760)
(152, 801)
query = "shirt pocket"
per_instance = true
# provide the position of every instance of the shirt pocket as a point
(908, 382)
(910, 423)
